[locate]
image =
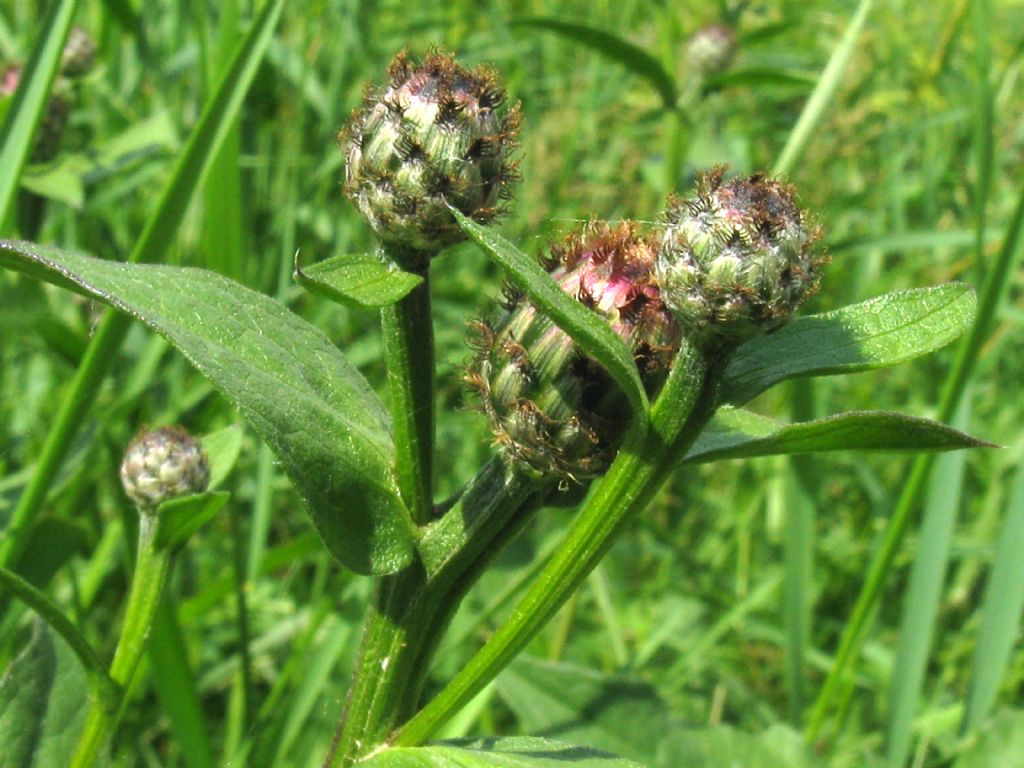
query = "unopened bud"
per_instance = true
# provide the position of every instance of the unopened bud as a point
(163, 464)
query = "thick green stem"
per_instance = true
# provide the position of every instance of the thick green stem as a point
(409, 353)
(411, 610)
(677, 418)
(151, 567)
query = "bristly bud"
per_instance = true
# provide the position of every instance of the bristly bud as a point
(163, 464)
(435, 134)
(554, 411)
(738, 259)
(79, 54)
(55, 118)
(711, 49)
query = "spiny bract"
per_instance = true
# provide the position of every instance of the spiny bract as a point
(435, 135)
(737, 259)
(555, 411)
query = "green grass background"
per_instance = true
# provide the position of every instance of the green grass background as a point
(729, 597)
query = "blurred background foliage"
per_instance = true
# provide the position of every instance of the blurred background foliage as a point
(688, 610)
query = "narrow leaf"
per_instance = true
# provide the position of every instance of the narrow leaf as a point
(884, 331)
(295, 388)
(510, 752)
(222, 449)
(632, 57)
(43, 699)
(586, 328)
(363, 280)
(735, 434)
(17, 135)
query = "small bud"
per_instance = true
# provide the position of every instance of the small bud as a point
(711, 49)
(55, 117)
(433, 136)
(163, 464)
(555, 411)
(79, 54)
(738, 259)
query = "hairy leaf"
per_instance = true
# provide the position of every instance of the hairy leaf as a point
(366, 280)
(295, 388)
(512, 752)
(887, 330)
(735, 434)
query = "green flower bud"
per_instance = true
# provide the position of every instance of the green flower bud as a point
(79, 54)
(163, 464)
(711, 49)
(433, 136)
(736, 260)
(555, 411)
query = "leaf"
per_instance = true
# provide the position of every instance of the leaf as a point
(43, 699)
(222, 450)
(509, 752)
(22, 118)
(294, 387)
(179, 518)
(586, 328)
(632, 57)
(362, 280)
(762, 77)
(723, 746)
(887, 330)
(734, 433)
(1000, 743)
(621, 714)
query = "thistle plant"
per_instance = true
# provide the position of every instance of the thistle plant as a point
(711, 49)
(619, 359)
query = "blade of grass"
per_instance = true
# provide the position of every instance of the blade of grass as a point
(17, 136)
(193, 164)
(922, 601)
(993, 291)
(1000, 613)
(824, 92)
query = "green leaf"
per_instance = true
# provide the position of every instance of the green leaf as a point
(623, 715)
(294, 387)
(43, 700)
(632, 57)
(762, 77)
(887, 330)
(510, 752)
(222, 449)
(362, 280)
(17, 135)
(1000, 743)
(736, 434)
(586, 328)
(179, 518)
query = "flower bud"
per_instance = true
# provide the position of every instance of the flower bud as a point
(79, 54)
(433, 136)
(737, 259)
(711, 49)
(163, 464)
(55, 117)
(555, 411)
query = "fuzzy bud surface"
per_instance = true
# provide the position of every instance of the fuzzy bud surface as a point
(553, 410)
(737, 259)
(435, 134)
(711, 49)
(79, 54)
(163, 464)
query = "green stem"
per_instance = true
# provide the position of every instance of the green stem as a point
(409, 353)
(411, 610)
(855, 629)
(677, 418)
(151, 567)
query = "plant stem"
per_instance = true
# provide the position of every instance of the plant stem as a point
(677, 418)
(409, 353)
(151, 567)
(411, 609)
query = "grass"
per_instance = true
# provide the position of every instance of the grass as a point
(735, 611)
